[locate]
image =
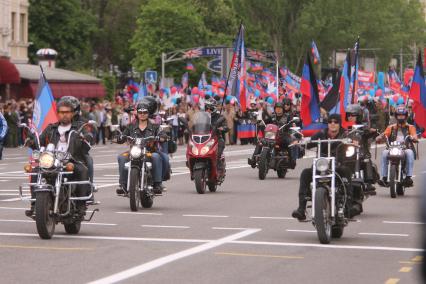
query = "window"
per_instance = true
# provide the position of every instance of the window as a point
(22, 27)
(13, 26)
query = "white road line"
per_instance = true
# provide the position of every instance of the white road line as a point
(400, 222)
(205, 216)
(17, 221)
(126, 274)
(15, 172)
(140, 213)
(12, 190)
(13, 208)
(8, 194)
(272, 218)
(98, 224)
(302, 231)
(226, 228)
(111, 175)
(164, 226)
(11, 199)
(329, 246)
(107, 185)
(382, 234)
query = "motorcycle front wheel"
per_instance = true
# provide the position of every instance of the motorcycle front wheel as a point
(323, 215)
(212, 186)
(281, 172)
(392, 183)
(45, 221)
(200, 180)
(263, 164)
(134, 189)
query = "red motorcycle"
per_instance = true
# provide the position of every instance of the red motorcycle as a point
(202, 154)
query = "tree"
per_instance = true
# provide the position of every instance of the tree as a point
(63, 26)
(164, 26)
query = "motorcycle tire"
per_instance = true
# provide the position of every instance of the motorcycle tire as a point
(146, 200)
(337, 231)
(134, 189)
(200, 180)
(392, 181)
(73, 228)
(212, 186)
(45, 221)
(281, 173)
(263, 165)
(323, 215)
(400, 190)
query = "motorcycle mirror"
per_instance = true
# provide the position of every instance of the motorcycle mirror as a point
(92, 122)
(295, 119)
(295, 128)
(114, 127)
(23, 125)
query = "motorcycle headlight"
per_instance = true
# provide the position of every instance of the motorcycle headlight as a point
(395, 152)
(46, 160)
(270, 135)
(205, 150)
(194, 150)
(350, 151)
(35, 155)
(322, 165)
(135, 152)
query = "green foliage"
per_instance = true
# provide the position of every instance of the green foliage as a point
(63, 26)
(110, 84)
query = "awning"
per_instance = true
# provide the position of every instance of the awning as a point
(78, 90)
(8, 72)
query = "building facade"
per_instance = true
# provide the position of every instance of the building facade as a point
(14, 30)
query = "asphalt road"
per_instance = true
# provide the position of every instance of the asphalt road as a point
(243, 233)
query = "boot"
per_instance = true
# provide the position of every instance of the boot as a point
(299, 213)
(158, 188)
(252, 162)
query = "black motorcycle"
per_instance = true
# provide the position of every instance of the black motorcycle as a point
(53, 195)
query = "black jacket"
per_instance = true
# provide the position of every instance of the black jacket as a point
(323, 135)
(78, 148)
(134, 131)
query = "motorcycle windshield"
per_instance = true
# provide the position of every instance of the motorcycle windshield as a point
(202, 123)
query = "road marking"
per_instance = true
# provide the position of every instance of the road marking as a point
(8, 194)
(16, 172)
(206, 216)
(272, 218)
(259, 255)
(405, 269)
(13, 208)
(11, 199)
(107, 185)
(379, 248)
(137, 270)
(302, 231)
(163, 226)
(382, 234)
(17, 221)
(417, 258)
(409, 262)
(399, 222)
(98, 224)
(111, 175)
(140, 213)
(392, 281)
(44, 248)
(226, 228)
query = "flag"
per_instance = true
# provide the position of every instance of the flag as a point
(332, 97)
(189, 66)
(354, 73)
(143, 92)
(344, 95)
(202, 84)
(237, 74)
(44, 111)
(310, 111)
(315, 53)
(418, 93)
(185, 79)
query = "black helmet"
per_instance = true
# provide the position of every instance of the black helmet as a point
(149, 103)
(142, 107)
(354, 110)
(401, 110)
(210, 105)
(336, 117)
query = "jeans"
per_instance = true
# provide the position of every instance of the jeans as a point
(1, 148)
(158, 167)
(409, 162)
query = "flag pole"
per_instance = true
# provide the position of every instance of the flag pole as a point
(355, 71)
(277, 78)
(229, 73)
(42, 72)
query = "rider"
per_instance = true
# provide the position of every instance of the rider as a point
(333, 131)
(355, 115)
(219, 122)
(79, 146)
(279, 118)
(141, 128)
(399, 132)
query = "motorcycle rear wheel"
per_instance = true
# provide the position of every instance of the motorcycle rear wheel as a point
(200, 180)
(281, 173)
(73, 228)
(392, 182)
(337, 231)
(263, 165)
(146, 200)
(134, 189)
(45, 221)
(212, 186)
(323, 215)
(400, 190)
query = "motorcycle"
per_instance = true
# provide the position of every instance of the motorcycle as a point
(202, 154)
(53, 194)
(274, 154)
(140, 182)
(396, 166)
(329, 202)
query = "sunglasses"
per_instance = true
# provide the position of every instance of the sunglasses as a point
(351, 114)
(142, 112)
(287, 104)
(64, 112)
(333, 121)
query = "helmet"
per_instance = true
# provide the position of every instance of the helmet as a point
(354, 110)
(279, 104)
(149, 103)
(68, 101)
(74, 101)
(401, 110)
(210, 105)
(142, 107)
